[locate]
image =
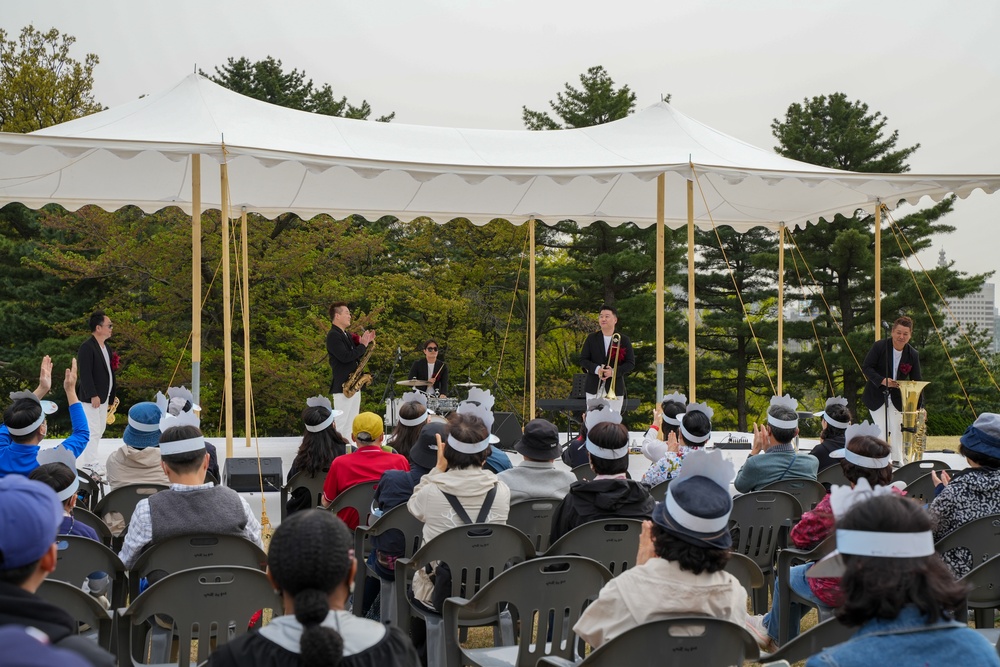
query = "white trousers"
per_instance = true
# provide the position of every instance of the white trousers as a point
(895, 438)
(616, 404)
(97, 421)
(350, 407)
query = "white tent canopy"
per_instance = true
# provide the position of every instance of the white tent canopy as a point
(281, 160)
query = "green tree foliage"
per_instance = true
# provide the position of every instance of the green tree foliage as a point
(596, 103)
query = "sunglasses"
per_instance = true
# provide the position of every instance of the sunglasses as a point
(431, 349)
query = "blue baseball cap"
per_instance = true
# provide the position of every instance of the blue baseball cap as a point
(30, 513)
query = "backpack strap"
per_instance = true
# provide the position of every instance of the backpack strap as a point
(484, 511)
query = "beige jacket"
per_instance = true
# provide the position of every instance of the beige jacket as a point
(128, 465)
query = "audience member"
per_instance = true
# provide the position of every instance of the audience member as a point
(666, 420)
(30, 516)
(321, 444)
(610, 494)
(63, 480)
(413, 415)
(30, 647)
(971, 493)
(773, 456)
(138, 461)
(537, 476)
(835, 420)
(680, 564)
(189, 501)
(311, 563)
(694, 431)
(25, 426)
(897, 591)
(364, 465)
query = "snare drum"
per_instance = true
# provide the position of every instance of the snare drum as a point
(441, 406)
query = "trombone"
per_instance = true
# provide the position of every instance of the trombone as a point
(604, 391)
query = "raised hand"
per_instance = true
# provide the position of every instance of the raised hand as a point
(44, 378)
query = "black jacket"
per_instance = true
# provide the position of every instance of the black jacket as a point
(19, 607)
(601, 499)
(823, 449)
(93, 372)
(419, 371)
(878, 365)
(593, 355)
(344, 354)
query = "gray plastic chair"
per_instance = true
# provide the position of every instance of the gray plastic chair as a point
(719, 643)
(832, 475)
(659, 491)
(760, 521)
(611, 542)
(583, 472)
(398, 518)
(552, 590)
(195, 550)
(81, 606)
(78, 556)
(984, 597)
(922, 488)
(124, 499)
(533, 517)
(807, 491)
(828, 633)
(359, 497)
(88, 518)
(912, 471)
(786, 559)
(312, 482)
(218, 600)
(746, 571)
(980, 536)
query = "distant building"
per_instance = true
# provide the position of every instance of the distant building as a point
(977, 309)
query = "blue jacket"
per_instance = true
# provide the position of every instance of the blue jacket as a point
(22, 459)
(909, 639)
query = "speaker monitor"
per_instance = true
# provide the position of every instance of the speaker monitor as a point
(244, 475)
(506, 428)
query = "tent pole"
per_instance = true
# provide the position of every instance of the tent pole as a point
(878, 269)
(781, 301)
(531, 319)
(246, 323)
(227, 316)
(196, 277)
(660, 205)
(691, 322)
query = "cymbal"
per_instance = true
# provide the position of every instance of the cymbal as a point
(468, 385)
(415, 383)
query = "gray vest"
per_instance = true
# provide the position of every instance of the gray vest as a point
(216, 510)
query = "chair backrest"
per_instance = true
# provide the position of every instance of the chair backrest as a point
(78, 556)
(828, 633)
(217, 600)
(980, 536)
(399, 519)
(88, 518)
(807, 491)
(195, 550)
(359, 497)
(611, 542)
(124, 499)
(911, 471)
(91, 490)
(922, 488)
(659, 491)
(832, 475)
(747, 571)
(533, 517)
(583, 472)
(698, 641)
(985, 582)
(760, 517)
(303, 479)
(81, 606)
(552, 591)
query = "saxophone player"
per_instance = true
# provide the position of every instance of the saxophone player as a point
(345, 350)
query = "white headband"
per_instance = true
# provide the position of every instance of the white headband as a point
(416, 421)
(609, 454)
(182, 446)
(673, 421)
(468, 447)
(145, 428)
(833, 422)
(858, 460)
(698, 524)
(323, 425)
(69, 491)
(885, 545)
(781, 423)
(691, 437)
(27, 429)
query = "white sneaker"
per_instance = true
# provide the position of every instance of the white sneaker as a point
(755, 625)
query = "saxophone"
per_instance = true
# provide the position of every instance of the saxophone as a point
(358, 379)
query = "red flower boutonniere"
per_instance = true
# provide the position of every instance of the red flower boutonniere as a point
(356, 339)
(116, 361)
(621, 354)
(904, 369)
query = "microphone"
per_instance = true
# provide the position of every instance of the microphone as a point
(399, 353)
(886, 325)
(487, 371)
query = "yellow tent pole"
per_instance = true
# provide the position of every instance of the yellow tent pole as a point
(660, 243)
(878, 269)
(246, 322)
(781, 300)
(196, 277)
(531, 318)
(227, 316)
(691, 268)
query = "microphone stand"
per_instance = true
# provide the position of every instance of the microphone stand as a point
(500, 392)
(886, 391)
(390, 388)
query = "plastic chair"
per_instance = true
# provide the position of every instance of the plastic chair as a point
(746, 571)
(533, 517)
(922, 488)
(807, 491)
(91, 489)
(88, 518)
(312, 482)
(611, 542)
(659, 491)
(719, 643)
(124, 499)
(195, 550)
(583, 472)
(79, 556)
(832, 475)
(218, 600)
(83, 607)
(828, 633)
(980, 536)
(786, 596)
(760, 521)
(359, 498)
(984, 597)
(211, 479)
(552, 590)
(912, 471)
(398, 518)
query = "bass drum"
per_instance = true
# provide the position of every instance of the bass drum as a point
(442, 406)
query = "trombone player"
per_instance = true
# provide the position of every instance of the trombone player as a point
(607, 357)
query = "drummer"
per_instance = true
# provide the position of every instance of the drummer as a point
(431, 368)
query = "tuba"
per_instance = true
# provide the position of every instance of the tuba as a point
(914, 427)
(358, 379)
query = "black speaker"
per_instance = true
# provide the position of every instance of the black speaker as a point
(244, 475)
(506, 428)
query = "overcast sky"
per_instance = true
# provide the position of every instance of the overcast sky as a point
(933, 68)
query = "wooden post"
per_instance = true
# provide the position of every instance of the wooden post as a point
(246, 324)
(196, 277)
(781, 300)
(531, 319)
(227, 316)
(691, 311)
(878, 270)
(660, 249)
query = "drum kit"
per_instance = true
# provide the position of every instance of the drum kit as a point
(439, 405)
